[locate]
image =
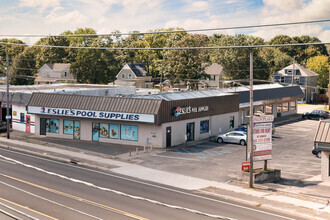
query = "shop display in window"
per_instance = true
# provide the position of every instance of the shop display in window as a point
(95, 131)
(67, 127)
(114, 131)
(52, 125)
(129, 132)
(76, 127)
(104, 130)
(204, 126)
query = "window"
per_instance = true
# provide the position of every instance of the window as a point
(123, 75)
(109, 131)
(130, 76)
(242, 117)
(52, 125)
(104, 130)
(68, 127)
(22, 117)
(279, 108)
(129, 132)
(232, 122)
(285, 106)
(292, 106)
(204, 126)
(65, 74)
(282, 79)
(269, 109)
(212, 78)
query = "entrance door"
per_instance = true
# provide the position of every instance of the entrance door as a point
(168, 136)
(76, 130)
(190, 131)
(95, 131)
(42, 126)
(28, 124)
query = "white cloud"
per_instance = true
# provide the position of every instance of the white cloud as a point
(42, 4)
(283, 4)
(73, 17)
(324, 36)
(198, 6)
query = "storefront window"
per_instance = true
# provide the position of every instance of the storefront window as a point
(67, 127)
(285, 106)
(22, 117)
(279, 108)
(114, 131)
(104, 130)
(204, 126)
(52, 125)
(292, 106)
(269, 109)
(129, 132)
(232, 122)
(95, 131)
(242, 116)
(76, 130)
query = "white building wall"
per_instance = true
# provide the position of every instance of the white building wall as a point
(16, 119)
(325, 166)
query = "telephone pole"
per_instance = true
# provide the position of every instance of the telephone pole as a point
(292, 71)
(250, 138)
(7, 113)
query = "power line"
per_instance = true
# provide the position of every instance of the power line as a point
(166, 32)
(166, 48)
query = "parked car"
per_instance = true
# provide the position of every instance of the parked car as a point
(237, 137)
(3, 126)
(244, 128)
(316, 114)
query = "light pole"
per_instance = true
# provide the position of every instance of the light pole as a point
(251, 122)
(7, 113)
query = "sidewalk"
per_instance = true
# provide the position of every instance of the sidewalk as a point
(304, 206)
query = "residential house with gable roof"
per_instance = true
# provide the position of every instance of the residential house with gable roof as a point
(134, 74)
(305, 78)
(51, 73)
(214, 72)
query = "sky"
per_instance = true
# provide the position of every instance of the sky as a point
(106, 16)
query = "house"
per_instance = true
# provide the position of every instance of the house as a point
(51, 73)
(134, 74)
(302, 76)
(322, 143)
(214, 72)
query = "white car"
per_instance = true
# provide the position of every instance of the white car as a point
(237, 137)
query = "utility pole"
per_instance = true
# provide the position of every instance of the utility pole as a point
(250, 138)
(161, 78)
(292, 71)
(7, 113)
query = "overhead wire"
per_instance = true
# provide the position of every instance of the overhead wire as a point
(166, 32)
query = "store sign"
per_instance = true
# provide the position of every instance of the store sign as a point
(261, 119)
(284, 99)
(247, 104)
(262, 141)
(186, 110)
(120, 116)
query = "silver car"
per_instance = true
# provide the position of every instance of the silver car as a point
(237, 137)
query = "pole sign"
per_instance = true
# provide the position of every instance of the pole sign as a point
(263, 119)
(262, 141)
(120, 116)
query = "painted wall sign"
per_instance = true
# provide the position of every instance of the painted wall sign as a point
(186, 110)
(119, 116)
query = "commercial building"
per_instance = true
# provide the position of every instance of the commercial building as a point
(159, 120)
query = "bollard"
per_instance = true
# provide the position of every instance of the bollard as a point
(137, 151)
(130, 152)
(144, 149)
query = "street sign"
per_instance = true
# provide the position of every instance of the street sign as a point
(263, 119)
(8, 116)
(262, 140)
(246, 166)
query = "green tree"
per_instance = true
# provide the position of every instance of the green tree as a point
(12, 52)
(320, 65)
(236, 61)
(275, 59)
(187, 64)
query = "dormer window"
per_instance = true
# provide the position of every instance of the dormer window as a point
(130, 76)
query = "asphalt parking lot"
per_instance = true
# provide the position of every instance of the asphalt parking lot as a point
(292, 146)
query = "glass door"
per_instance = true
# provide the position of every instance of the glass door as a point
(190, 131)
(95, 131)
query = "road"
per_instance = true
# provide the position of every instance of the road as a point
(37, 188)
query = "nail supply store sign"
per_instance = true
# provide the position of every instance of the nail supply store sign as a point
(186, 110)
(262, 141)
(120, 116)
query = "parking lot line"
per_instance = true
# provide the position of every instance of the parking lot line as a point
(180, 158)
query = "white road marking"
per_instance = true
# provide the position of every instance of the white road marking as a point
(156, 186)
(51, 201)
(7, 161)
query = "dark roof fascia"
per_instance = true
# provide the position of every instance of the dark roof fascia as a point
(268, 94)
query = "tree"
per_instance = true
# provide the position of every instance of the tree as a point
(301, 53)
(12, 52)
(187, 64)
(236, 61)
(275, 59)
(320, 65)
